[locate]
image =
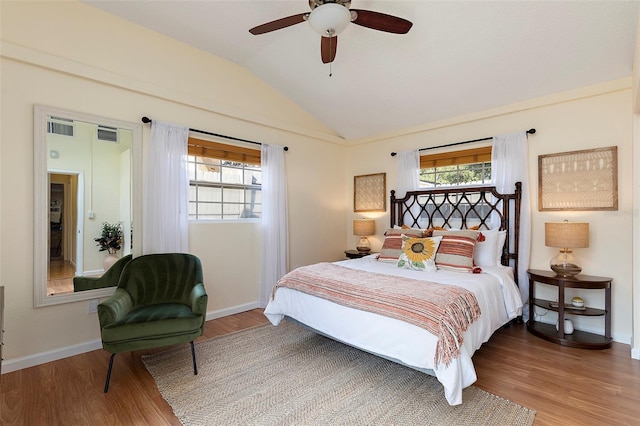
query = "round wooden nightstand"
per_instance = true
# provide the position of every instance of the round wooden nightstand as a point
(578, 339)
(355, 254)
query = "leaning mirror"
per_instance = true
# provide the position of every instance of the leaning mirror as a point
(87, 178)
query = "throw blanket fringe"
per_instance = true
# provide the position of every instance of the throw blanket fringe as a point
(446, 311)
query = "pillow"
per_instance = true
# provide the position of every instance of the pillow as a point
(502, 238)
(392, 245)
(408, 227)
(400, 231)
(419, 253)
(401, 227)
(456, 249)
(489, 247)
(429, 231)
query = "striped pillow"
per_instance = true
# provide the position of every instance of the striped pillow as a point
(392, 246)
(456, 249)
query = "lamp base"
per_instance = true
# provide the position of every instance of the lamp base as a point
(566, 270)
(363, 245)
(565, 264)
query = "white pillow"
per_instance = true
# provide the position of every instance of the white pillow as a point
(489, 251)
(502, 237)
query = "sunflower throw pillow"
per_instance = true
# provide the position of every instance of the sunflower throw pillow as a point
(419, 253)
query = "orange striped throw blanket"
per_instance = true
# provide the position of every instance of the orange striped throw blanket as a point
(445, 311)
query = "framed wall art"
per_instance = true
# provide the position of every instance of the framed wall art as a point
(369, 193)
(578, 180)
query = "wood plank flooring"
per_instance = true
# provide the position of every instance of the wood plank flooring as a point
(60, 279)
(565, 386)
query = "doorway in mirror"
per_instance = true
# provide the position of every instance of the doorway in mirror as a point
(63, 206)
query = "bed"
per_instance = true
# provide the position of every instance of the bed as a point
(369, 302)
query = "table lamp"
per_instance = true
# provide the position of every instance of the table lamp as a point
(362, 228)
(566, 236)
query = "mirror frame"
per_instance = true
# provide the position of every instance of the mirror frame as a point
(40, 208)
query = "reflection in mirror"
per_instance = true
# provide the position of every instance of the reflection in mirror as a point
(84, 178)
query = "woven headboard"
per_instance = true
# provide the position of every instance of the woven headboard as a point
(463, 208)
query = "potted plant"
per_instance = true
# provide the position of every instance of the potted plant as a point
(110, 237)
(110, 240)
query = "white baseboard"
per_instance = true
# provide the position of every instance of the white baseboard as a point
(635, 353)
(43, 357)
(15, 364)
(232, 310)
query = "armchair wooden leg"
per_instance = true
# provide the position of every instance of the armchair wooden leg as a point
(193, 355)
(106, 384)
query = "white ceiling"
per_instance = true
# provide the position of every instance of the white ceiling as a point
(459, 57)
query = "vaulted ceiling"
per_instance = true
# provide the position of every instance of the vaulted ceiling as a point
(459, 57)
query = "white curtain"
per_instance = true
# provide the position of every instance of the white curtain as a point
(275, 236)
(166, 191)
(408, 177)
(408, 174)
(510, 164)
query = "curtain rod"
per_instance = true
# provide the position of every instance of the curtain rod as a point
(530, 132)
(148, 120)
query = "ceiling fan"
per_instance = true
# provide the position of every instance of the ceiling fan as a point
(330, 17)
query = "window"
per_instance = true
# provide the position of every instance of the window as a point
(458, 168)
(225, 181)
(468, 167)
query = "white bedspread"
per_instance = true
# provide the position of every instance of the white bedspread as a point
(495, 290)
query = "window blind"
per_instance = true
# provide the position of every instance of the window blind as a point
(467, 156)
(222, 151)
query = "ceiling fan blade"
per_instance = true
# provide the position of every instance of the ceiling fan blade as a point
(328, 48)
(382, 22)
(278, 24)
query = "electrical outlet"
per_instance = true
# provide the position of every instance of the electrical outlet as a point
(93, 306)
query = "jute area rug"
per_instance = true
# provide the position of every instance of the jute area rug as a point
(287, 375)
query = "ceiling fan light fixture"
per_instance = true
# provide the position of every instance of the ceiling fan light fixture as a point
(329, 19)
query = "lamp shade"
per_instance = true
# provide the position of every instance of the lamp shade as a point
(566, 234)
(364, 227)
(329, 19)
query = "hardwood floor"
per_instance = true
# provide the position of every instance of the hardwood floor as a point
(60, 279)
(565, 386)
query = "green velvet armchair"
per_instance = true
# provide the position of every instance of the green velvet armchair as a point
(108, 279)
(160, 301)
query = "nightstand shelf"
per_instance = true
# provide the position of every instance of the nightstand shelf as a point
(569, 308)
(578, 339)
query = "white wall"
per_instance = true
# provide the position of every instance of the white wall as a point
(635, 347)
(591, 117)
(124, 72)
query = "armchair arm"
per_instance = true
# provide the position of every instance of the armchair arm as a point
(91, 283)
(198, 299)
(108, 279)
(115, 307)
